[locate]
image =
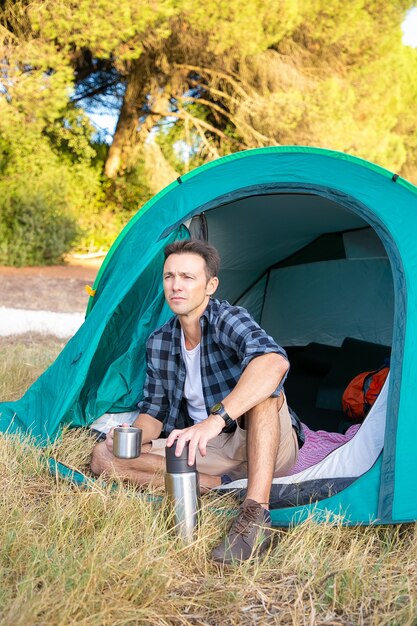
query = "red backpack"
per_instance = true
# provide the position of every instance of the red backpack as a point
(361, 393)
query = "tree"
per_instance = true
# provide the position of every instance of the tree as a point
(194, 80)
(234, 76)
(320, 73)
(47, 175)
(144, 44)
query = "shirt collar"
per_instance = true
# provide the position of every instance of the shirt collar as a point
(176, 329)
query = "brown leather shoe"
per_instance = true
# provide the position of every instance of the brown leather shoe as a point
(249, 536)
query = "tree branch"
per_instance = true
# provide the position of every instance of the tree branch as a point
(262, 138)
(182, 114)
(216, 73)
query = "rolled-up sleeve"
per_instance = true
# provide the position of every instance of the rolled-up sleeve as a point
(239, 331)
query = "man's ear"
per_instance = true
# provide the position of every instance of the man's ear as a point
(212, 285)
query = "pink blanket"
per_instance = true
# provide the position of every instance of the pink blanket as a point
(318, 444)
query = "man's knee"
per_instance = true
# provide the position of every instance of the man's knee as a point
(100, 459)
(271, 406)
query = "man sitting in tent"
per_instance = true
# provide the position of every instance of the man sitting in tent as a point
(214, 379)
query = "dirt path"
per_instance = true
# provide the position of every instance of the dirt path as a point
(57, 288)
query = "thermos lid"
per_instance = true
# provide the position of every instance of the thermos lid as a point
(178, 464)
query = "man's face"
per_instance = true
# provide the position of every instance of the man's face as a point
(186, 287)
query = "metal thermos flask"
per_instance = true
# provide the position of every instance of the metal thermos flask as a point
(183, 491)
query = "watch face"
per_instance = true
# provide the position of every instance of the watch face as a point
(217, 407)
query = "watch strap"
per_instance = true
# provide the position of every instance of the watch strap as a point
(218, 409)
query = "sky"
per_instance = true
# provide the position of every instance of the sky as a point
(106, 123)
(409, 28)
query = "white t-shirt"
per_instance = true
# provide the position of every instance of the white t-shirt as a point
(193, 389)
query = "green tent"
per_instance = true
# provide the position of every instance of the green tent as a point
(319, 246)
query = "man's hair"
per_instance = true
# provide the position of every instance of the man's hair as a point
(196, 246)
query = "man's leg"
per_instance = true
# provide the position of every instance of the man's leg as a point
(250, 534)
(141, 470)
(262, 443)
(144, 470)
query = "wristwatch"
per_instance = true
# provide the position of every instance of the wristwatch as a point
(218, 409)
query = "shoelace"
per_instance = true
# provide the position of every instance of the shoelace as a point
(245, 519)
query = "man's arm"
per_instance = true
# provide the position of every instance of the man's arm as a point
(257, 383)
(151, 427)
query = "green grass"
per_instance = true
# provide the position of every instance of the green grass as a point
(107, 556)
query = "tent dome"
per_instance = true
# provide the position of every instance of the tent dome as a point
(319, 246)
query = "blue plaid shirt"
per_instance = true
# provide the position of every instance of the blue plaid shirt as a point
(230, 339)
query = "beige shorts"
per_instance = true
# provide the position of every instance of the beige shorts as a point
(226, 453)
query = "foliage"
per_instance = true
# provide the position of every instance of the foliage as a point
(50, 182)
(35, 226)
(190, 81)
(124, 193)
(237, 77)
(329, 82)
(33, 233)
(46, 184)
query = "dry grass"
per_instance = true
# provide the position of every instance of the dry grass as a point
(23, 358)
(105, 556)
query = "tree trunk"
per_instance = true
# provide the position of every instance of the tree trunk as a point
(159, 173)
(127, 125)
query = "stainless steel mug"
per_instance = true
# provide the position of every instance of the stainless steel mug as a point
(183, 491)
(127, 442)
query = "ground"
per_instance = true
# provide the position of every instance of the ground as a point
(58, 289)
(55, 288)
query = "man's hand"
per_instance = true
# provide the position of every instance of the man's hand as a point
(110, 437)
(197, 436)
